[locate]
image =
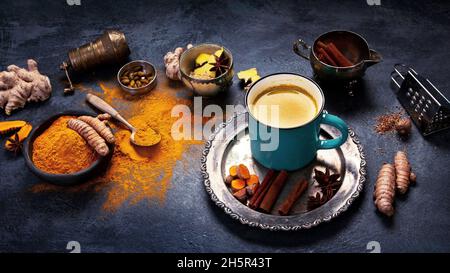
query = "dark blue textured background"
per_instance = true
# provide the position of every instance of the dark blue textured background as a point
(259, 33)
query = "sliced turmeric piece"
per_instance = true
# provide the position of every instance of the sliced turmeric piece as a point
(11, 125)
(254, 179)
(241, 195)
(237, 184)
(14, 143)
(233, 171)
(228, 180)
(243, 172)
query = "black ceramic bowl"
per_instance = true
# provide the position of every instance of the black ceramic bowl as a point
(63, 179)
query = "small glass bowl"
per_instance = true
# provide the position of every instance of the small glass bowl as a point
(205, 87)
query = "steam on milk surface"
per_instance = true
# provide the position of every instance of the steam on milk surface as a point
(284, 106)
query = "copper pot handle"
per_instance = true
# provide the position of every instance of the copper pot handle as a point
(374, 58)
(301, 48)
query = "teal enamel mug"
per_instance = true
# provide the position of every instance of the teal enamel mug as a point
(289, 146)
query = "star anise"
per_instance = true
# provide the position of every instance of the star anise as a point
(329, 184)
(221, 64)
(315, 201)
(15, 144)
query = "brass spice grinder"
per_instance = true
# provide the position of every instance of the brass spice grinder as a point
(111, 47)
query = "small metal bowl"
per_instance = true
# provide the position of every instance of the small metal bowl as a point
(204, 87)
(63, 179)
(147, 67)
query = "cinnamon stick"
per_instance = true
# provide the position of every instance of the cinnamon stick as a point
(293, 196)
(273, 192)
(324, 57)
(261, 190)
(337, 55)
(321, 44)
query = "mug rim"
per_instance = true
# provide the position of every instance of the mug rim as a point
(319, 113)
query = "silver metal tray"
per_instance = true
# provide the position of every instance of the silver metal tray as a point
(230, 145)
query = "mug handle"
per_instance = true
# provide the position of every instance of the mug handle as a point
(339, 124)
(301, 48)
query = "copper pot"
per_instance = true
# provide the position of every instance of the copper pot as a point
(352, 45)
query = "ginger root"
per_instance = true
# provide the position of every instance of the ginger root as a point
(19, 86)
(403, 172)
(9, 126)
(90, 135)
(172, 63)
(14, 142)
(384, 192)
(248, 77)
(100, 127)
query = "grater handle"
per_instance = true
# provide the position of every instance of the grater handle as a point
(397, 74)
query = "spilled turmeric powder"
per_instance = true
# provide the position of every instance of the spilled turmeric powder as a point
(138, 173)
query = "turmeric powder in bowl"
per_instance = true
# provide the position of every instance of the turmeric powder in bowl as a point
(61, 150)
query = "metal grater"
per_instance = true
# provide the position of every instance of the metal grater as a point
(427, 106)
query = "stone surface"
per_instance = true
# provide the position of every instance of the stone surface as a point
(260, 34)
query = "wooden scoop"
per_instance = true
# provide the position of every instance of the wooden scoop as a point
(105, 107)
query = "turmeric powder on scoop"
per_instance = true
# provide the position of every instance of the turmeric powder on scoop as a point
(146, 137)
(61, 150)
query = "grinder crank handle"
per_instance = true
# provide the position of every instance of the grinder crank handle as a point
(105, 107)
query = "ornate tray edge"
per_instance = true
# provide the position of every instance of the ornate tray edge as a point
(277, 227)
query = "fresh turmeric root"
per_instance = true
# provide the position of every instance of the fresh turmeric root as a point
(403, 172)
(14, 143)
(100, 127)
(104, 116)
(384, 192)
(90, 135)
(9, 126)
